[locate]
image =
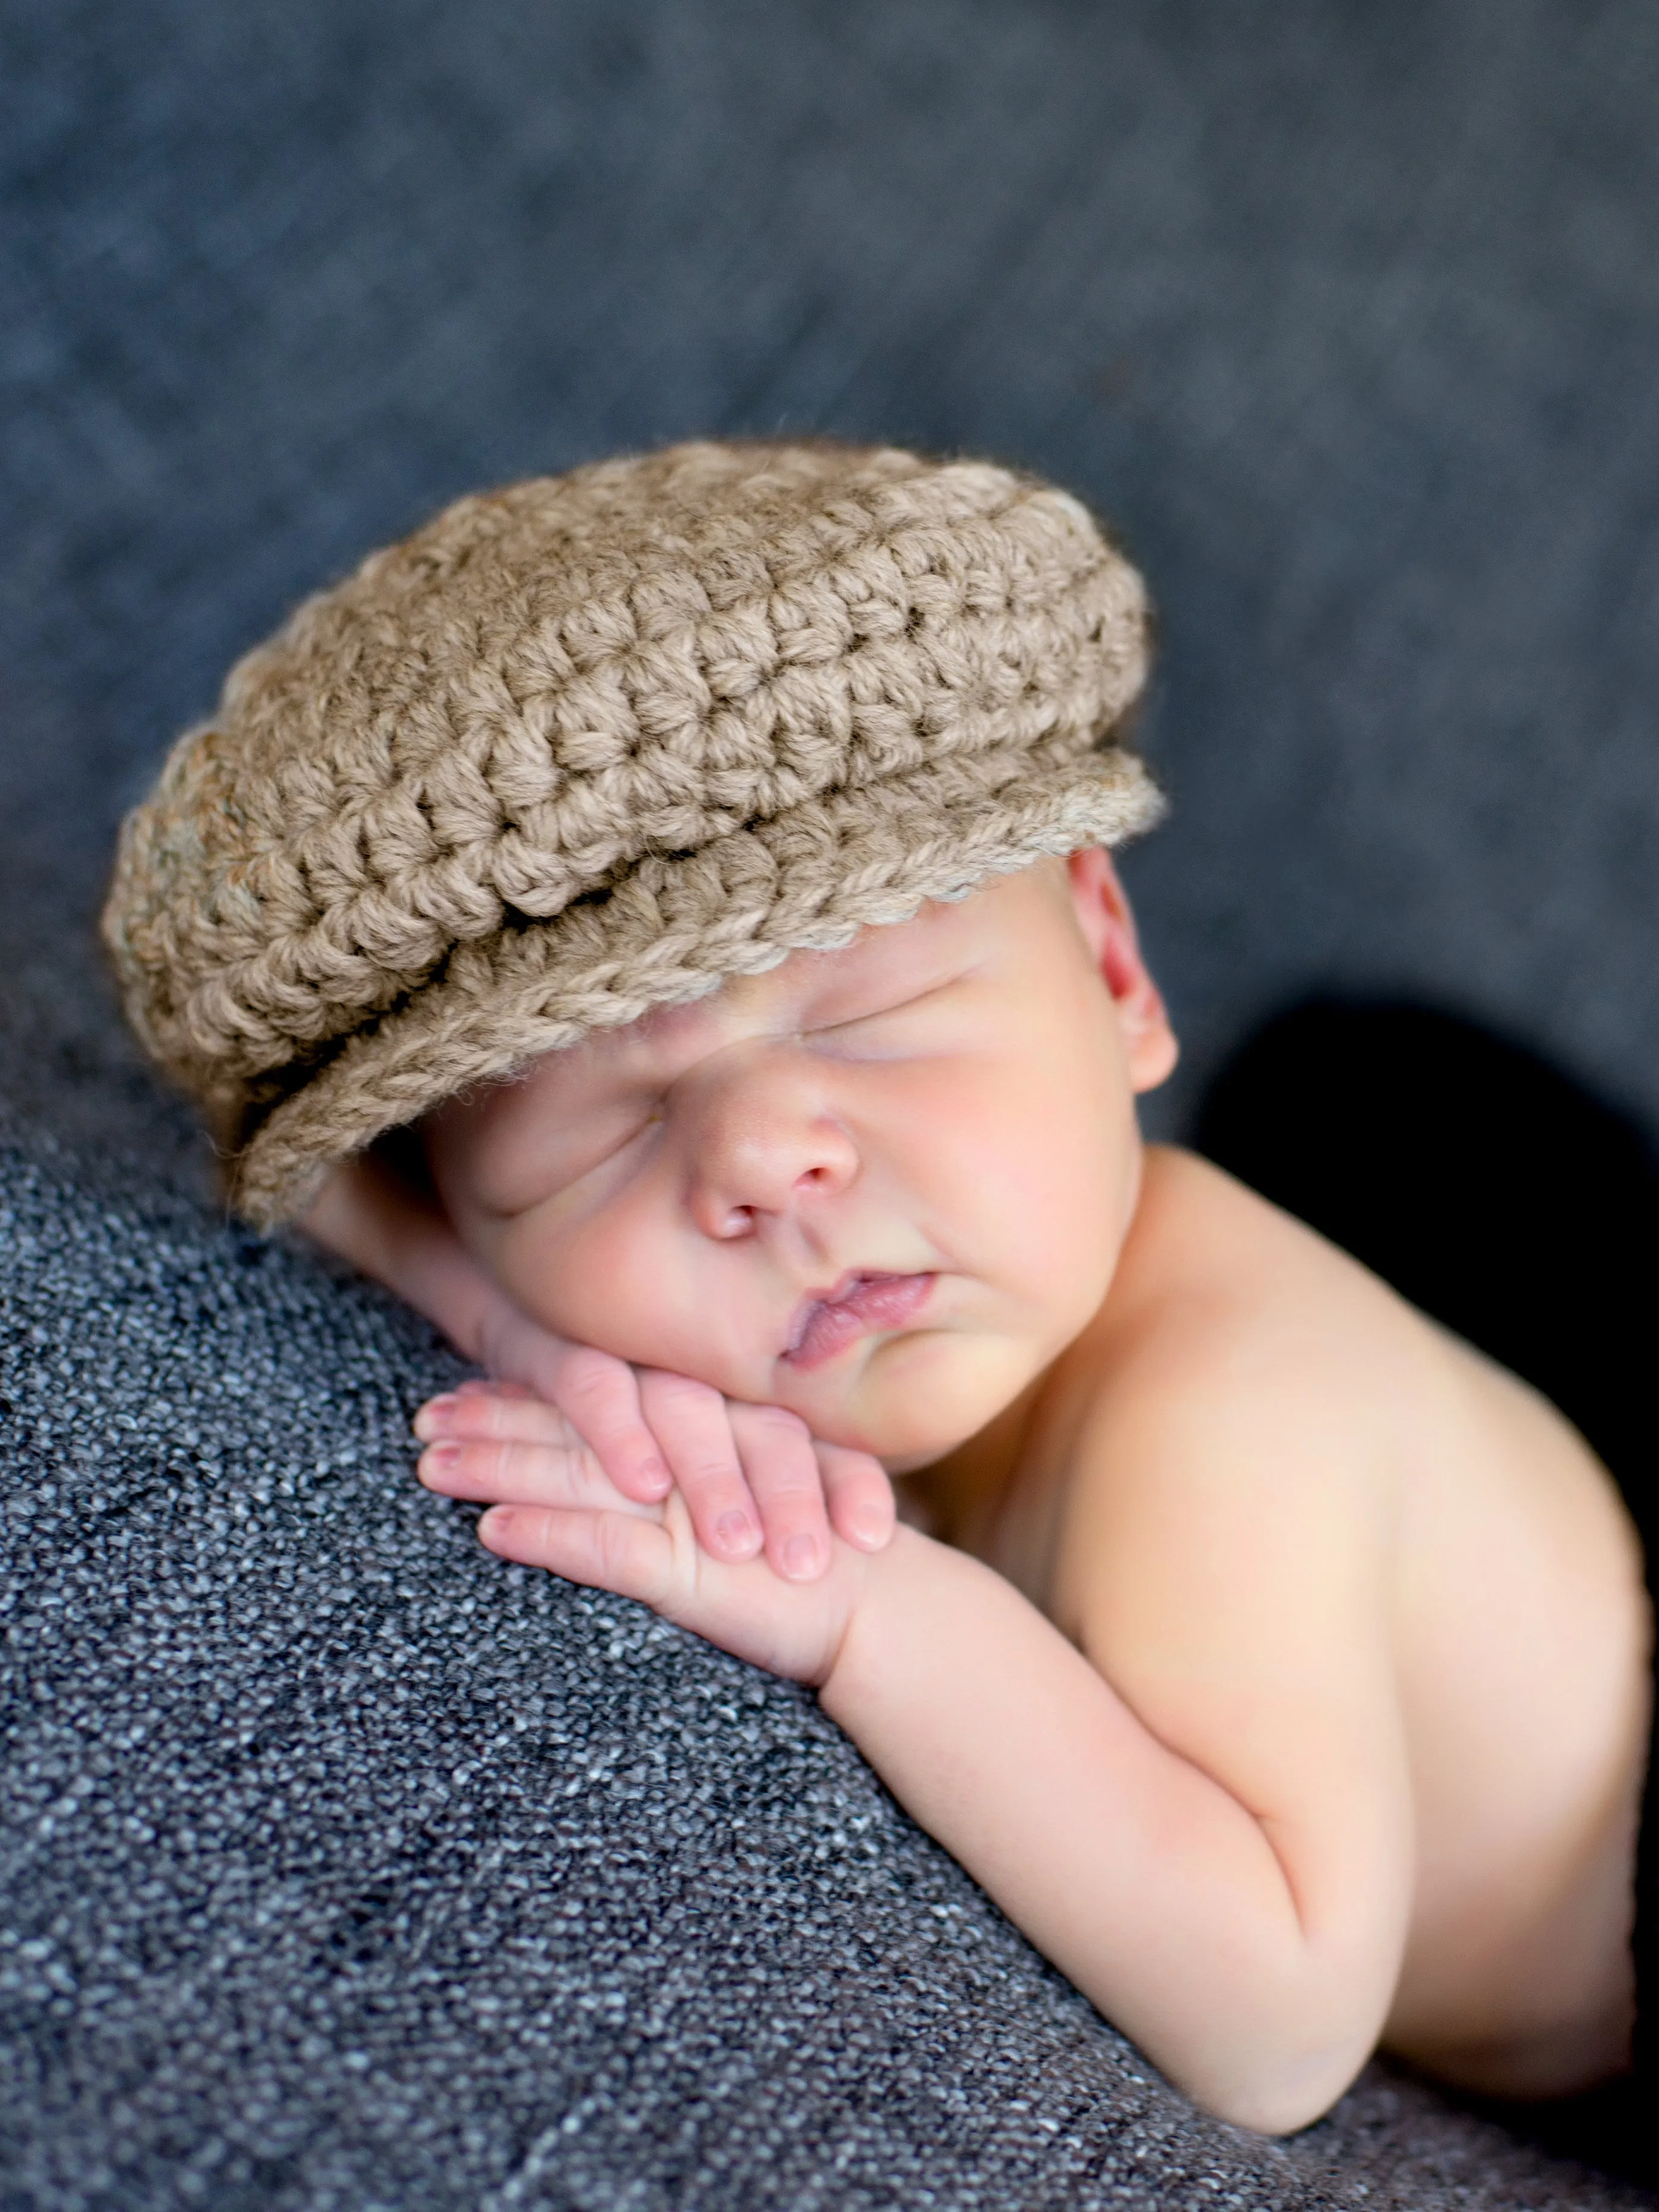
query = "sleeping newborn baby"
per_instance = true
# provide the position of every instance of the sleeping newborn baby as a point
(661, 919)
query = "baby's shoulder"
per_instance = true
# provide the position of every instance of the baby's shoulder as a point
(1222, 1303)
(1213, 1526)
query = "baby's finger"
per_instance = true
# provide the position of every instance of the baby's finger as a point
(521, 1473)
(692, 1423)
(626, 1553)
(858, 1493)
(482, 1412)
(602, 1399)
(782, 1469)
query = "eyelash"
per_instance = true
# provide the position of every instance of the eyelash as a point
(882, 1013)
(855, 1022)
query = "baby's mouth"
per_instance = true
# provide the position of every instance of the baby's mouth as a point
(859, 1304)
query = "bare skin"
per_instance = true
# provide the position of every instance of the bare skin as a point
(1278, 1664)
(1512, 1606)
(752, 1476)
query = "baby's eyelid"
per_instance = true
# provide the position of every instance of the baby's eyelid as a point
(644, 1109)
(898, 1005)
(604, 1147)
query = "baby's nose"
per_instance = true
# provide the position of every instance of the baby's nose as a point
(761, 1142)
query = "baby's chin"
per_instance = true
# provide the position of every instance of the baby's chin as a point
(916, 1400)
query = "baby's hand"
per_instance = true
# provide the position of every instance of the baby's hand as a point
(553, 1506)
(750, 1475)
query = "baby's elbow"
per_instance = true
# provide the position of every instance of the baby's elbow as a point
(1275, 2109)
(1281, 2093)
(1297, 2035)
(1278, 2065)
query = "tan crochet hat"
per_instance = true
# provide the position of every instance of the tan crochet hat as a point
(590, 744)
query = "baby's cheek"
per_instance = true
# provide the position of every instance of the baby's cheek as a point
(1052, 1203)
(614, 1289)
(1082, 1181)
(554, 1280)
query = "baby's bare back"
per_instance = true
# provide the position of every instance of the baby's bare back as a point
(1524, 1636)
(1514, 1614)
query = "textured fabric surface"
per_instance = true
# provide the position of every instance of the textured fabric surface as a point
(343, 1867)
(592, 745)
(1346, 315)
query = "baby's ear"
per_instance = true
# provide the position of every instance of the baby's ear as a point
(1103, 915)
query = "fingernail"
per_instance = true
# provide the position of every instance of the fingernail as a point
(654, 1475)
(870, 1531)
(440, 1455)
(439, 1409)
(735, 1532)
(800, 1558)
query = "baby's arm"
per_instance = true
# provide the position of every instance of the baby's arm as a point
(1223, 1866)
(749, 1474)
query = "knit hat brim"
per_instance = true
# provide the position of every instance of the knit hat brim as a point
(671, 930)
(588, 744)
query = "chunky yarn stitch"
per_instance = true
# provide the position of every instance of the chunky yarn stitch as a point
(594, 743)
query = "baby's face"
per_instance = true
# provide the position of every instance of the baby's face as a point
(884, 1187)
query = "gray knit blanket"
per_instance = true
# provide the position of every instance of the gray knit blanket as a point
(346, 1867)
(340, 1865)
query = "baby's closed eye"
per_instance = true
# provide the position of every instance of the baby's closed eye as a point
(908, 1014)
(595, 1137)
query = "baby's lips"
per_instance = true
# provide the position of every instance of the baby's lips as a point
(868, 1303)
(814, 1301)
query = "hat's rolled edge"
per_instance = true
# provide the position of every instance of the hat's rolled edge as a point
(503, 1001)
